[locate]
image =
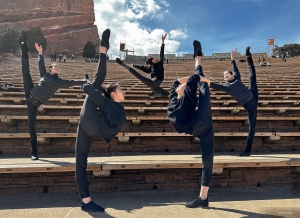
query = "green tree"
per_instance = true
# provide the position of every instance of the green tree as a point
(10, 41)
(291, 49)
(89, 50)
(36, 35)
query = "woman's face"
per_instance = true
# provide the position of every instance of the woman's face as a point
(118, 95)
(55, 69)
(228, 76)
(154, 60)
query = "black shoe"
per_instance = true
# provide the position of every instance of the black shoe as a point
(119, 61)
(245, 154)
(197, 203)
(86, 76)
(248, 53)
(92, 207)
(197, 49)
(105, 38)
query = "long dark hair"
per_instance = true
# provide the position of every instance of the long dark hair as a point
(110, 88)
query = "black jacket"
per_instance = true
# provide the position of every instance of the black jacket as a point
(108, 123)
(155, 70)
(235, 87)
(49, 84)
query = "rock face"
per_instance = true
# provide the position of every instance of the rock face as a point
(66, 24)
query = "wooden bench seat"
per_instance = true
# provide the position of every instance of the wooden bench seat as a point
(102, 166)
(136, 120)
(44, 138)
(141, 110)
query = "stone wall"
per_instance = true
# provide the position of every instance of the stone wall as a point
(67, 24)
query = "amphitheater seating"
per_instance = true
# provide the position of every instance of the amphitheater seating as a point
(147, 128)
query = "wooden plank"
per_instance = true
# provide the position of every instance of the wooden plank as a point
(157, 161)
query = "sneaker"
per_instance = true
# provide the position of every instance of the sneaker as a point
(248, 53)
(34, 157)
(105, 38)
(119, 61)
(197, 203)
(92, 207)
(197, 48)
(86, 76)
(34, 152)
(245, 154)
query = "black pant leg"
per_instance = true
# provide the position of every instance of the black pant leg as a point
(27, 80)
(101, 72)
(207, 143)
(252, 77)
(82, 149)
(32, 113)
(252, 115)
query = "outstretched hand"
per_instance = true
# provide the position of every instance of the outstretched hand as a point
(38, 47)
(163, 37)
(233, 52)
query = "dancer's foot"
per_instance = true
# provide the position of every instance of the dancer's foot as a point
(23, 43)
(92, 207)
(119, 61)
(86, 76)
(197, 203)
(197, 49)
(245, 154)
(105, 38)
(34, 152)
(248, 53)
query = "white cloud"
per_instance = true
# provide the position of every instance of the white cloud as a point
(123, 17)
(178, 34)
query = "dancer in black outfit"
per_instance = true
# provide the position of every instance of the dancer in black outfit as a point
(184, 117)
(91, 124)
(41, 93)
(247, 97)
(156, 71)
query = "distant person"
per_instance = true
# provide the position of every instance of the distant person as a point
(54, 56)
(247, 97)
(60, 57)
(72, 56)
(268, 64)
(156, 71)
(42, 92)
(64, 58)
(92, 124)
(185, 118)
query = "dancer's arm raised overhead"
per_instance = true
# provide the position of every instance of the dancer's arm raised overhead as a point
(235, 69)
(162, 48)
(42, 67)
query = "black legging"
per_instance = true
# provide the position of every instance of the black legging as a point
(203, 129)
(202, 126)
(31, 105)
(83, 140)
(153, 83)
(251, 106)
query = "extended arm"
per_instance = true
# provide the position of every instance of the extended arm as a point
(162, 48)
(235, 69)
(42, 67)
(145, 69)
(68, 83)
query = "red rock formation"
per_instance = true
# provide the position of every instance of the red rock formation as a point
(67, 24)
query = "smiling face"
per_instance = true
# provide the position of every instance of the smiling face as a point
(54, 69)
(228, 76)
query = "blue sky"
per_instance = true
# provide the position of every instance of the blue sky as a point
(220, 25)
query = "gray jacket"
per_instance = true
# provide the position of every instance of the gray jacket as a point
(49, 84)
(235, 88)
